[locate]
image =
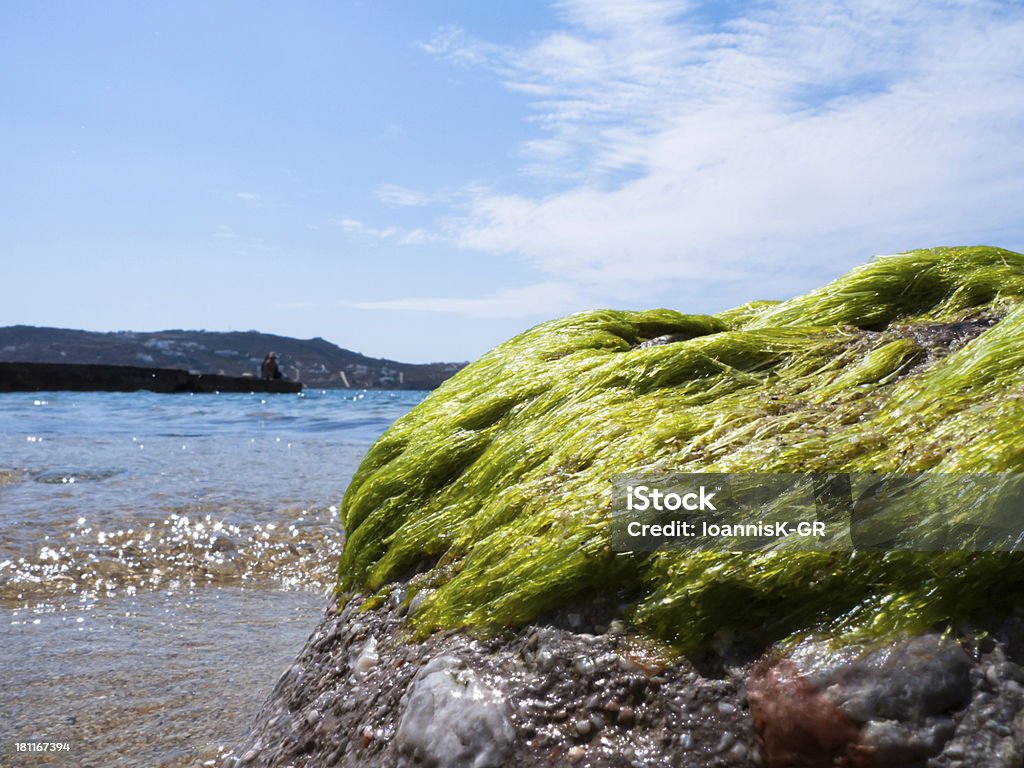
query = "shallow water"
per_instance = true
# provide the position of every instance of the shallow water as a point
(162, 559)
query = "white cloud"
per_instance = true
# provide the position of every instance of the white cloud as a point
(452, 42)
(414, 236)
(356, 227)
(801, 136)
(402, 197)
(542, 299)
(418, 237)
(350, 225)
(251, 198)
(393, 194)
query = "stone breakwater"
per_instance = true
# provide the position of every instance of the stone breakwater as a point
(583, 690)
(71, 377)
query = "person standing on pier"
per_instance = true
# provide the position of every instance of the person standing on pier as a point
(269, 368)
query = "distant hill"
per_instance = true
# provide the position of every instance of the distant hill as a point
(316, 362)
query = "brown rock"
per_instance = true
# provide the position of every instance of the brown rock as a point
(798, 726)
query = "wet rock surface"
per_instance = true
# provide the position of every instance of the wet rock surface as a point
(568, 693)
(926, 701)
(454, 720)
(579, 692)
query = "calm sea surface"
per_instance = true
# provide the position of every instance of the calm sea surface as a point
(162, 559)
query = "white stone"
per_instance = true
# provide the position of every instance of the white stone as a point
(454, 720)
(366, 661)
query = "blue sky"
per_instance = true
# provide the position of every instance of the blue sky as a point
(422, 180)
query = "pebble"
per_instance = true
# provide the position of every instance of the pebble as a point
(418, 599)
(626, 716)
(335, 757)
(738, 752)
(616, 627)
(725, 742)
(546, 659)
(1000, 729)
(992, 675)
(367, 660)
(726, 708)
(584, 665)
(223, 544)
(629, 666)
(575, 754)
(312, 717)
(583, 726)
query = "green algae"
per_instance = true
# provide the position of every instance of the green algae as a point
(496, 489)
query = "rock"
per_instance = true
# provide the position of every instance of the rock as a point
(584, 665)
(887, 707)
(366, 661)
(797, 723)
(223, 543)
(453, 720)
(908, 680)
(457, 700)
(454, 700)
(668, 338)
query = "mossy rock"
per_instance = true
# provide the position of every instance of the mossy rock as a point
(497, 488)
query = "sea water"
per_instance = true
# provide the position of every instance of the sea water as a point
(162, 560)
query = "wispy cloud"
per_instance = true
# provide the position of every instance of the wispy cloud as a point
(356, 227)
(254, 199)
(799, 136)
(403, 197)
(530, 301)
(413, 236)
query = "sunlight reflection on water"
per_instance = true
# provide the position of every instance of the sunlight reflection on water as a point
(162, 558)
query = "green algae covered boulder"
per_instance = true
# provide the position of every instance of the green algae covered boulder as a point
(496, 490)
